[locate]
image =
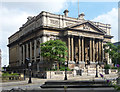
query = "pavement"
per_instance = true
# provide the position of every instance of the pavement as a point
(37, 82)
(23, 84)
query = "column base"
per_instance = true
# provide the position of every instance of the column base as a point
(81, 64)
(92, 63)
(71, 64)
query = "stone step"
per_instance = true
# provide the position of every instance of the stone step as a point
(76, 84)
(68, 82)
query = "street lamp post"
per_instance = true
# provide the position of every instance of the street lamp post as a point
(4, 68)
(29, 69)
(24, 73)
(65, 71)
(96, 71)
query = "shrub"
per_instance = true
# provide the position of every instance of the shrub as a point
(113, 67)
(63, 69)
(107, 66)
(7, 74)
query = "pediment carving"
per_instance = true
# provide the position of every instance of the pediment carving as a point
(87, 27)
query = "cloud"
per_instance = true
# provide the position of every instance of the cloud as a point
(11, 20)
(110, 17)
(13, 15)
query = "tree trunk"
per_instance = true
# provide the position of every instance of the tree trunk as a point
(57, 66)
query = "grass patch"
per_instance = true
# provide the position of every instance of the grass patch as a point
(7, 74)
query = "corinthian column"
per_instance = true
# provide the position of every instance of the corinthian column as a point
(27, 50)
(97, 54)
(35, 50)
(72, 48)
(68, 48)
(93, 50)
(99, 50)
(20, 55)
(79, 47)
(102, 54)
(23, 53)
(83, 49)
(30, 51)
(40, 49)
(90, 49)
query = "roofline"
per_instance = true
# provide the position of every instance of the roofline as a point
(108, 36)
(84, 31)
(90, 23)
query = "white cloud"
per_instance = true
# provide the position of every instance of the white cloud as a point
(11, 20)
(12, 16)
(110, 17)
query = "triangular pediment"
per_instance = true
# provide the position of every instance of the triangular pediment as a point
(87, 26)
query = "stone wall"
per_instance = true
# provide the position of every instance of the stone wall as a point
(84, 72)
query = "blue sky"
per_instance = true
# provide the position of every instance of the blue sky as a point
(91, 9)
(14, 14)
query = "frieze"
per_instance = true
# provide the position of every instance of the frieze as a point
(55, 22)
(68, 23)
(84, 34)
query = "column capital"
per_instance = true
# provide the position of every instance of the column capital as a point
(79, 36)
(71, 36)
(82, 37)
(68, 36)
(93, 38)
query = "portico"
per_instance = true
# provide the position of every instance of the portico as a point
(85, 46)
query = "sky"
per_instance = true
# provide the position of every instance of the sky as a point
(13, 14)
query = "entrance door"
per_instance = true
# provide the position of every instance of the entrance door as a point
(79, 72)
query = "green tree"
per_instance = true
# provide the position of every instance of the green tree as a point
(114, 52)
(54, 50)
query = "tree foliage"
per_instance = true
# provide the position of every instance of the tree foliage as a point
(54, 50)
(114, 52)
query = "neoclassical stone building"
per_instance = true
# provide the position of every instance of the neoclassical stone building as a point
(84, 39)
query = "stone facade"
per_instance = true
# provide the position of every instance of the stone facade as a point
(84, 39)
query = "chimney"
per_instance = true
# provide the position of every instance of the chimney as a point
(66, 13)
(81, 16)
(29, 18)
